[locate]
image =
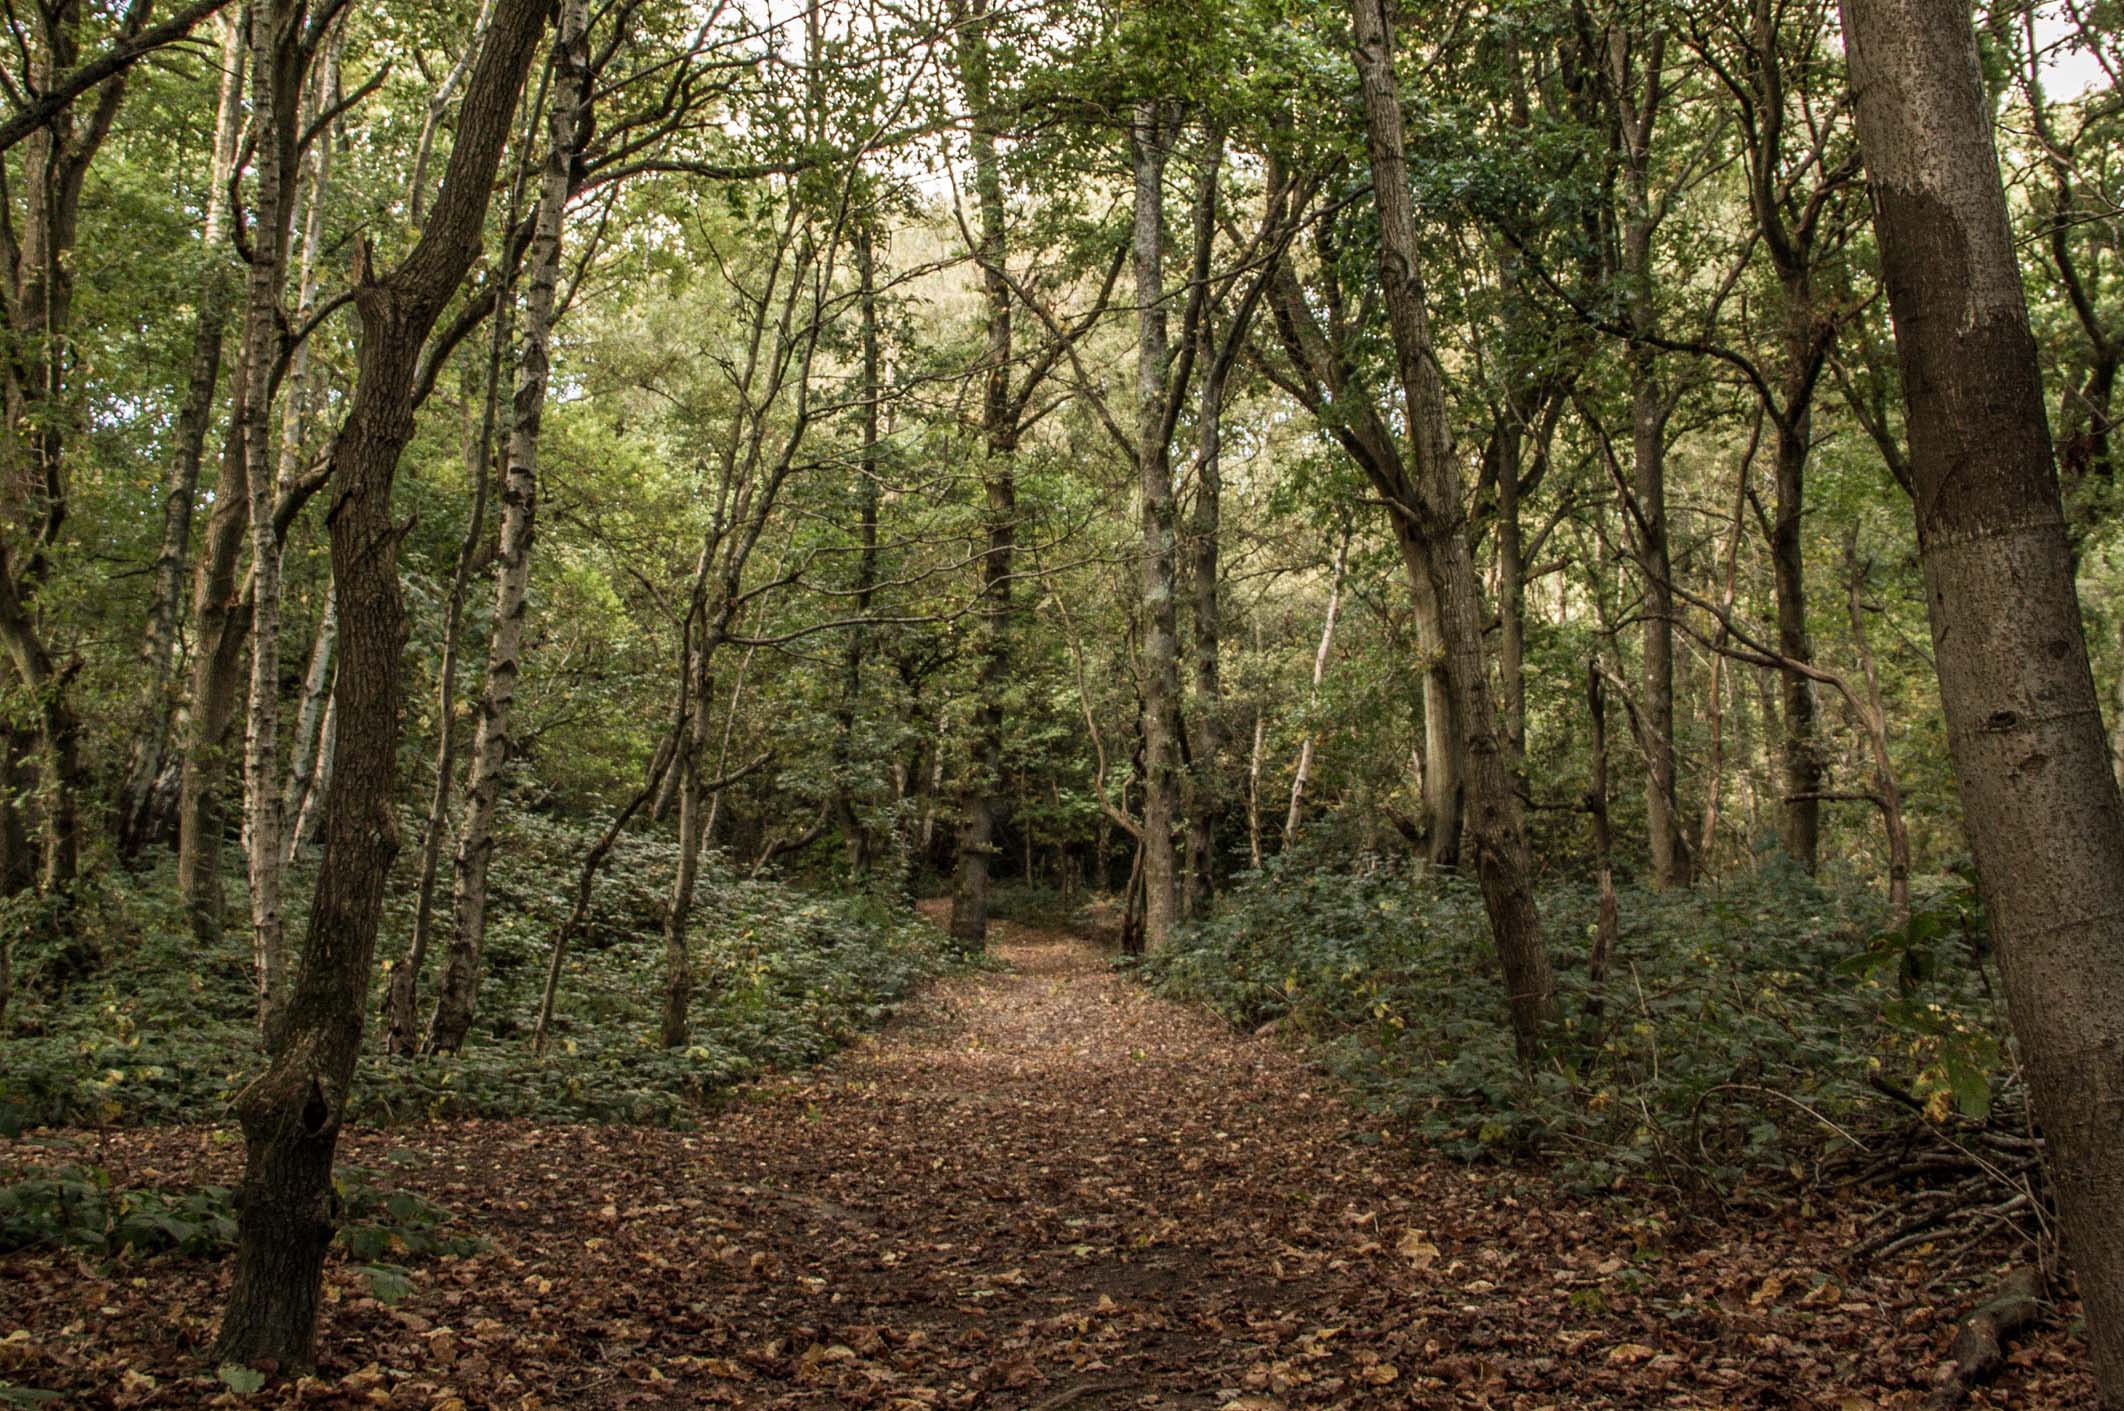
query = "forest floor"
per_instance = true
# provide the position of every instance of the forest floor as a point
(1042, 1189)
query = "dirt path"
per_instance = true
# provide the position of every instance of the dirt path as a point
(1042, 1189)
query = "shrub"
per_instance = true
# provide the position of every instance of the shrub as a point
(1738, 1022)
(163, 1031)
(79, 1207)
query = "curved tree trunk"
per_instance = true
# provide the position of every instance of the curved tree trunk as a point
(1497, 820)
(292, 1112)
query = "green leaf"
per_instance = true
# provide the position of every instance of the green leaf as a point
(240, 1379)
(387, 1283)
(1972, 1089)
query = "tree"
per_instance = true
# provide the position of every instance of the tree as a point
(568, 116)
(1001, 413)
(292, 1112)
(1158, 390)
(2024, 725)
(1430, 522)
(158, 648)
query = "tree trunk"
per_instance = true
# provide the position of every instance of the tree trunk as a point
(1204, 527)
(276, 87)
(694, 824)
(1437, 543)
(1444, 747)
(41, 415)
(1651, 406)
(58, 731)
(219, 619)
(1800, 822)
(855, 833)
(308, 815)
(2024, 728)
(292, 1112)
(158, 647)
(1508, 438)
(1253, 791)
(979, 804)
(303, 769)
(1320, 661)
(1206, 791)
(295, 385)
(402, 1000)
(1606, 925)
(1873, 713)
(457, 990)
(1729, 578)
(1161, 663)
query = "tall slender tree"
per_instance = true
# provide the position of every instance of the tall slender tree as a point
(981, 795)
(292, 1111)
(2024, 723)
(567, 117)
(1431, 523)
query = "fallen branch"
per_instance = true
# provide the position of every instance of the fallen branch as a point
(1979, 1351)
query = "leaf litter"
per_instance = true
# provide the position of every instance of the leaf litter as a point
(1043, 1188)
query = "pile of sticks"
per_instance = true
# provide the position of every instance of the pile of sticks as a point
(1968, 1188)
(1962, 1195)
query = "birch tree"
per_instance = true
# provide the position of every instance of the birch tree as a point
(568, 112)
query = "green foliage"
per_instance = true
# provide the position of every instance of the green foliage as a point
(240, 1379)
(164, 1032)
(1035, 904)
(80, 1207)
(77, 1206)
(1737, 1023)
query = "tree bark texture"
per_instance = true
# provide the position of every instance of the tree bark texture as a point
(402, 999)
(2024, 722)
(1161, 647)
(980, 804)
(291, 1113)
(277, 63)
(456, 990)
(1433, 523)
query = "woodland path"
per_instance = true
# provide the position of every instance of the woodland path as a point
(1042, 1188)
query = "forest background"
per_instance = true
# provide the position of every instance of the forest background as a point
(544, 529)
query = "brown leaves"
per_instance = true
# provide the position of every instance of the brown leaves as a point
(1042, 1188)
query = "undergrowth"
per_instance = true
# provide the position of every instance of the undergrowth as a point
(160, 1029)
(1743, 1028)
